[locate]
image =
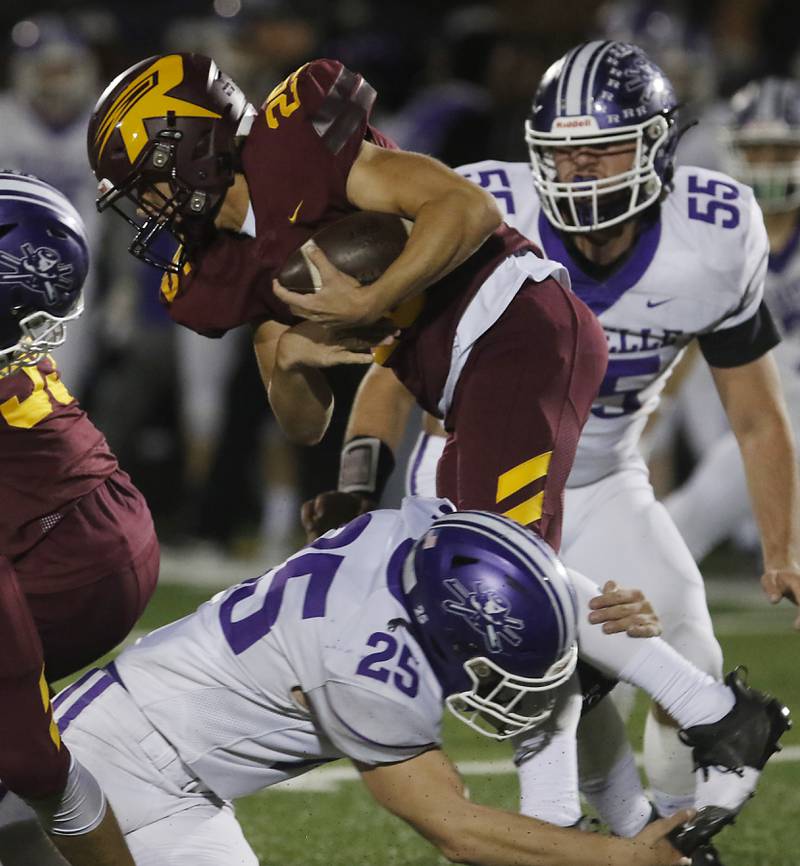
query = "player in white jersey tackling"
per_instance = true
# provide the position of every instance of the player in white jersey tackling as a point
(349, 649)
(763, 138)
(662, 256)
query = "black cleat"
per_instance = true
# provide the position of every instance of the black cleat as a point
(693, 837)
(746, 737)
(706, 855)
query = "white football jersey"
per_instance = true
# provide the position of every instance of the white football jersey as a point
(782, 294)
(218, 683)
(699, 268)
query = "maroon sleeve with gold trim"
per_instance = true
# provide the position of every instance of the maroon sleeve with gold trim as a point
(296, 160)
(33, 760)
(50, 455)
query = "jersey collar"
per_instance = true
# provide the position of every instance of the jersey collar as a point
(600, 295)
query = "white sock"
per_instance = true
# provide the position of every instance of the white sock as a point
(547, 763)
(690, 696)
(608, 776)
(687, 694)
(669, 766)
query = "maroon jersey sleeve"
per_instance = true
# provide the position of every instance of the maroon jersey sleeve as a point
(50, 455)
(296, 161)
(33, 760)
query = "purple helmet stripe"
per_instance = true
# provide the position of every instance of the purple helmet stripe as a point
(575, 85)
(588, 94)
(562, 79)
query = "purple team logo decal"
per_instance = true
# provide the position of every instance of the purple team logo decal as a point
(638, 76)
(39, 268)
(486, 612)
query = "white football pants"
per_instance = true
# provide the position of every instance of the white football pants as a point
(166, 818)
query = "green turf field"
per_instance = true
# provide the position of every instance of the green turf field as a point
(330, 821)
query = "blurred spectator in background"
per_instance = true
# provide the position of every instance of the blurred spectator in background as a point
(450, 118)
(241, 481)
(53, 80)
(676, 36)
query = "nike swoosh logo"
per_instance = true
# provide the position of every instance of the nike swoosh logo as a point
(293, 217)
(659, 303)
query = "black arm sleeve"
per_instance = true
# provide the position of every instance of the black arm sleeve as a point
(741, 344)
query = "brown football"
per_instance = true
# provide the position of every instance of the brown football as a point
(362, 244)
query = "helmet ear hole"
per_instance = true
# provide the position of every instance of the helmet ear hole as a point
(459, 561)
(57, 232)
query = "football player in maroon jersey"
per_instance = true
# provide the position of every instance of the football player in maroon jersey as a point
(491, 338)
(78, 551)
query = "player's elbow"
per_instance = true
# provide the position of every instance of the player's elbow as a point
(483, 210)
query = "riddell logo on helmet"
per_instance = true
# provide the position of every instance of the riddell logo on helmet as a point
(574, 123)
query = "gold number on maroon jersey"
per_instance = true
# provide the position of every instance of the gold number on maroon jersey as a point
(280, 101)
(29, 411)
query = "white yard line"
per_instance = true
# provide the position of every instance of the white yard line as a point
(329, 779)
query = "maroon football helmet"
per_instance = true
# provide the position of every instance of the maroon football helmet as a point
(162, 143)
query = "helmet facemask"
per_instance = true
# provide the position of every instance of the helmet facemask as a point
(158, 203)
(40, 333)
(589, 204)
(500, 705)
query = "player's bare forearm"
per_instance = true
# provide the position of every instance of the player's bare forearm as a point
(103, 846)
(771, 469)
(302, 402)
(381, 408)
(452, 218)
(426, 792)
(291, 361)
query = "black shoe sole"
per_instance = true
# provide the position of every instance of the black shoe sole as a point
(701, 829)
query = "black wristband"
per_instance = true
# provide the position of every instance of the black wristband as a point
(365, 466)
